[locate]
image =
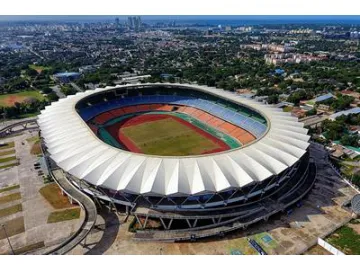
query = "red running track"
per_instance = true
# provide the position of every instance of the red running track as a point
(235, 131)
(115, 131)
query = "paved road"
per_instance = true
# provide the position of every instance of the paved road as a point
(7, 123)
(77, 88)
(35, 53)
(57, 90)
(19, 126)
(313, 120)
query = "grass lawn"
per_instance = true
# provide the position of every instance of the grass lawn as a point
(9, 188)
(38, 68)
(287, 109)
(8, 145)
(10, 210)
(311, 102)
(32, 139)
(9, 165)
(346, 240)
(10, 198)
(9, 100)
(352, 160)
(13, 227)
(9, 152)
(63, 215)
(27, 115)
(7, 159)
(167, 137)
(268, 246)
(52, 194)
(242, 245)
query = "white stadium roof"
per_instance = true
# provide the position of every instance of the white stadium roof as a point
(77, 150)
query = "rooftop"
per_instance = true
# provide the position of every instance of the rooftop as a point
(346, 112)
(66, 74)
(324, 97)
(75, 148)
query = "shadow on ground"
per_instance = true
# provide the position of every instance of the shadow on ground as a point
(110, 231)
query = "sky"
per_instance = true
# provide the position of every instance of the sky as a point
(249, 18)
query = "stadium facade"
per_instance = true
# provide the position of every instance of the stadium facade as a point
(265, 173)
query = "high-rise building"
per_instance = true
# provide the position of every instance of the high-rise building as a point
(117, 21)
(131, 22)
(137, 23)
(134, 22)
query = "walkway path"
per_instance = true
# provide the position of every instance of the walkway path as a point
(77, 88)
(57, 90)
(35, 209)
(90, 214)
(33, 214)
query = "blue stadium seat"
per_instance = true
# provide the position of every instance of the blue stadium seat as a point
(250, 124)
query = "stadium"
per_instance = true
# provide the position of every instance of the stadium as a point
(187, 161)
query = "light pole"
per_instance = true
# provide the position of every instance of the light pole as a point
(12, 250)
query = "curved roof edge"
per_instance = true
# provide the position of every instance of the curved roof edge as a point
(77, 150)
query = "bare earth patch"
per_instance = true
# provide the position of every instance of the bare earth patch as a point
(9, 100)
(13, 227)
(36, 149)
(52, 194)
(317, 250)
(355, 227)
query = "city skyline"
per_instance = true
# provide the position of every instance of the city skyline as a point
(246, 18)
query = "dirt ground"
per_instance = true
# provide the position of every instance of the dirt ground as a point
(317, 250)
(355, 227)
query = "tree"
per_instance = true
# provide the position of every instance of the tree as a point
(349, 140)
(356, 179)
(31, 72)
(297, 96)
(52, 97)
(46, 90)
(334, 129)
(273, 99)
(311, 112)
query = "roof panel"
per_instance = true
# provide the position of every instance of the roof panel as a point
(72, 144)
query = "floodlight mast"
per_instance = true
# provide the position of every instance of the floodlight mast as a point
(7, 237)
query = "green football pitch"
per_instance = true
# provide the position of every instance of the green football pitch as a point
(168, 137)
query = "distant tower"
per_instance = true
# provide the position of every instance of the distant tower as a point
(117, 22)
(131, 22)
(137, 23)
